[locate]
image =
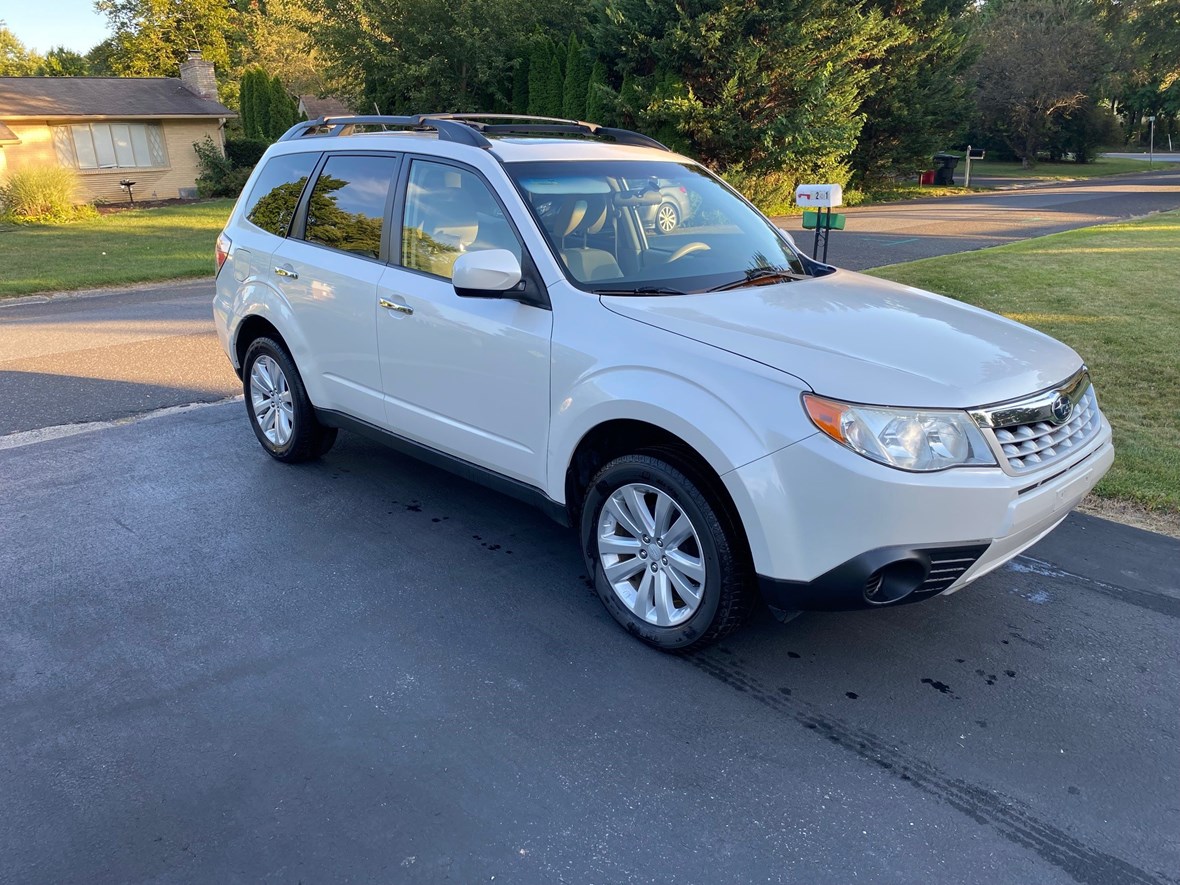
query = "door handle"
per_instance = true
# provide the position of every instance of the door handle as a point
(284, 272)
(400, 308)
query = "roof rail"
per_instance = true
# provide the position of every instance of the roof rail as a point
(471, 129)
(447, 130)
(531, 125)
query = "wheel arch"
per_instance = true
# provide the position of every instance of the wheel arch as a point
(616, 437)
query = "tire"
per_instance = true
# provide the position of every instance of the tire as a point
(642, 496)
(276, 402)
(667, 218)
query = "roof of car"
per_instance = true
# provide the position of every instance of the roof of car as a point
(524, 139)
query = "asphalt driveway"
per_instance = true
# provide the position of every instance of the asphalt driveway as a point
(217, 668)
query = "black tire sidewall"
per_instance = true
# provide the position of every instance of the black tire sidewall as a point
(300, 441)
(660, 475)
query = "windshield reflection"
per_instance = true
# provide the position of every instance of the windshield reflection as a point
(651, 227)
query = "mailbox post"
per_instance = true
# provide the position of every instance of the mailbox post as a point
(821, 197)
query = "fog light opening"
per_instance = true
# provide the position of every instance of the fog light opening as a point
(894, 582)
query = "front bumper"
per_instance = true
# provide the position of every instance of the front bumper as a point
(830, 530)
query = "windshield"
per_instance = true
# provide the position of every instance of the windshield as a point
(651, 227)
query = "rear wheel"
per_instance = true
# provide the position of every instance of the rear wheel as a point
(664, 563)
(280, 412)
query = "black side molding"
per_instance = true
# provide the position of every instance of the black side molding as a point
(480, 475)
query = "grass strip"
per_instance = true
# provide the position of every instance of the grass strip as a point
(1110, 292)
(1093, 169)
(124, 247)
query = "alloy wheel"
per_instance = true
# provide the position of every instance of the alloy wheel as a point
(270, 398)
(651, 554)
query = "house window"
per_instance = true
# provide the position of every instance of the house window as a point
(111, 145)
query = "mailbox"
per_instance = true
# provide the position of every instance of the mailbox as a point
(819, 196)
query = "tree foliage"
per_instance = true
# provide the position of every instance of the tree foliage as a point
(62, 62)
(919, 99)
(152, 37)
(760, 87)
(16, 60)
(1039, 60)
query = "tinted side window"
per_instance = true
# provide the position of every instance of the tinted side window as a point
(450, 211)
(347, 204)
(272, 202)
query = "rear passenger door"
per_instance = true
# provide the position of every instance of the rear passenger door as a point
(465, 376)
(328, 269)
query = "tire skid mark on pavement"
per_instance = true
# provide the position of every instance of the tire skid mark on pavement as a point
(1161, 603)
(1007, 816)
(60, 431)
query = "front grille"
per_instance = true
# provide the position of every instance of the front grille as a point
(1030, 446)
(948, 564)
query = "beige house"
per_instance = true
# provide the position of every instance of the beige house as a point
(114, 128)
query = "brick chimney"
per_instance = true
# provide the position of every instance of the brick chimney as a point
(196, 74)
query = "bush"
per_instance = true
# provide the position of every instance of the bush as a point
(219, 177)
(243, 153)
(774, 192)
(42, 195)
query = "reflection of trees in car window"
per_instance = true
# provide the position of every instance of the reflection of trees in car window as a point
(274, 209)
(272, 201)
(346, 209)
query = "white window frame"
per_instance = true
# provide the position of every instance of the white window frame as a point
(106, 129)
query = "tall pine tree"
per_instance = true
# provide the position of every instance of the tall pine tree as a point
(577, 81)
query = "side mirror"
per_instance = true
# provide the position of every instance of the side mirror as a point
(488, 273)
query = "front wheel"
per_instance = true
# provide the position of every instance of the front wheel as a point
(280, 412)
(664, 564)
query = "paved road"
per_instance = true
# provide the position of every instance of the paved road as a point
(893, 232)
(218, 668)
(74, 360)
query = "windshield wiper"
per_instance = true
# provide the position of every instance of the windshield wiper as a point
(641, 290)
(760, 275)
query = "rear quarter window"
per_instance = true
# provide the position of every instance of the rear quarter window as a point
(275, 195)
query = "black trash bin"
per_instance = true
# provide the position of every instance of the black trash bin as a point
(944, 168)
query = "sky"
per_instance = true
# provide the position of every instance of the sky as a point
(43, 24)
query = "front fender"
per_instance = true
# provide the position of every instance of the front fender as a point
(728, 424)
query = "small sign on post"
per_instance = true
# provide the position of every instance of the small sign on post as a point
(821, 197)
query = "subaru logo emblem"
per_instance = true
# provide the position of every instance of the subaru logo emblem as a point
(1061, 409)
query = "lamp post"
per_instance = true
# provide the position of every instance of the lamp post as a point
(1151, 142)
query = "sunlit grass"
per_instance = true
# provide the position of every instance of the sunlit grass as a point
(1098, 167)
(126, 247)
(1113, 294)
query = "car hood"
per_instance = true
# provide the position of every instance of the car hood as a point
(866, 340)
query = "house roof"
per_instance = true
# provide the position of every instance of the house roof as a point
(329, 106)
(42, 97)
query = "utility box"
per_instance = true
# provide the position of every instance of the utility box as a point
(819, 196)
(944, 168)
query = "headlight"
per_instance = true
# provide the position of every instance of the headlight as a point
(908, 439)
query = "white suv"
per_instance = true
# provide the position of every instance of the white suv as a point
(718, 415)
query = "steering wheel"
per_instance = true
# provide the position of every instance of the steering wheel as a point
(688, 249)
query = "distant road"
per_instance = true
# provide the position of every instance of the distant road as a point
(893, 232)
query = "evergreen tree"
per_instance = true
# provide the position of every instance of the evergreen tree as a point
(598, 108)
(520, 86)
(538, 74)
(282, 108)
(554, 82)
(758, 87)
(247, 103)
(577, 81)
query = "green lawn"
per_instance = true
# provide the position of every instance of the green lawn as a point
(125, 247)
(1110, 292)
(1101, 166)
